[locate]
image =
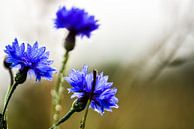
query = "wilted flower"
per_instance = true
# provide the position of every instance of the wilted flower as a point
(76, 20)
(32, 59)
(103, 95)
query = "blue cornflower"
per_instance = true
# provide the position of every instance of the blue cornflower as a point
(103, 95)
(76, 20)
(32, 59)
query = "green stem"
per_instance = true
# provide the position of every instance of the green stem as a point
(11, 83)
(11, 77)
(63, 119)
(5, 115)
(56, 97)
(83, 121)
(10, 93)
(62, 71)
(5, 126)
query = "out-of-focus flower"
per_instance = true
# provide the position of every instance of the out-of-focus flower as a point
(76, 20)
(103, 95)
(32, 59)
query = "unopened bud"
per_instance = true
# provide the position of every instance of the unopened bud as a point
(70, 41)
(21, 76)
(80, 104)
(58, 107)
(53, 93)
(55, 117)
(61, 90)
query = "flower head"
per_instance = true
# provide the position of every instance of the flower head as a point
(76, 20)
(103, 95)
(32, 58)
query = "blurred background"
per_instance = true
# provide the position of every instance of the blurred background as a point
(145, 46)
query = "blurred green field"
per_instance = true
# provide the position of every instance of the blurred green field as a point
(164, 103)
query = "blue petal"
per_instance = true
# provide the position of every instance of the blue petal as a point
(104, 95)
(76, 20)
(34, 58)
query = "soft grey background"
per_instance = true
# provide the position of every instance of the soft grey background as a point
(130, 29)
(143, 39)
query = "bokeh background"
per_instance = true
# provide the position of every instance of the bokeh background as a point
(145, 46)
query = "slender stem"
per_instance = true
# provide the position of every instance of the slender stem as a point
(6, 96)
(11, 77)
(63, 119)
(83, 121)
(11, 83)
(6, 102)
(8, 67)
(62, 71)
(56, 97)
(93, 83)
(10, 93)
